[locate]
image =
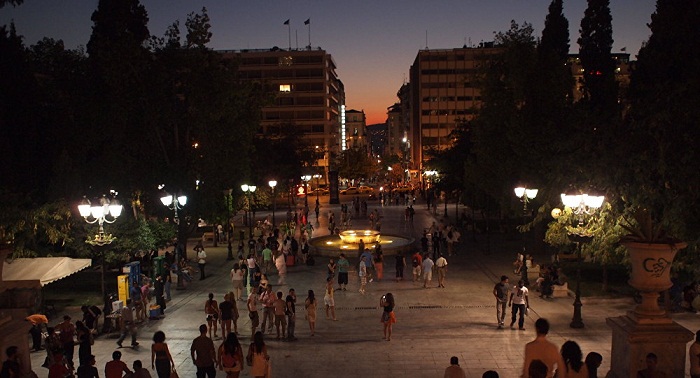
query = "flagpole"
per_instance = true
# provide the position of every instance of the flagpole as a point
(289, 35)
(308, 24)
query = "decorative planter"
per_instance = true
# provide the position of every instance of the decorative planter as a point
(651, 268)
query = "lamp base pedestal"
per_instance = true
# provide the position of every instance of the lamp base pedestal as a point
(634, 338)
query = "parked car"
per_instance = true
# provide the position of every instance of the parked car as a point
(350, 190)
(366, 189)
(320, 192)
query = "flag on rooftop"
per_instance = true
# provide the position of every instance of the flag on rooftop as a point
(308, 21)
(286, 22)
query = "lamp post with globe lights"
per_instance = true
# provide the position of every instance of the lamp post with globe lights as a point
(99, 213)
(525, 196)
(175, 203)
(582, 206)
(306, 179)
(273, 184)
(248, 190)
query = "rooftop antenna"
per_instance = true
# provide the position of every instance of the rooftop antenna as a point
(426, 39)
(465, 43)
(470, 42)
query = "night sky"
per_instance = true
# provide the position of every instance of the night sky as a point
(373, 42)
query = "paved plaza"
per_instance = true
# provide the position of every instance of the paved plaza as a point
(432, 324)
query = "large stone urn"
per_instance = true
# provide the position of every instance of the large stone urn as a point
(648, 328)
(651, 268)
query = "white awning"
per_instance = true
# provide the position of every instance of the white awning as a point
(44, 269)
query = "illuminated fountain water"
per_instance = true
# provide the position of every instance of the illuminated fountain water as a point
(348, 241)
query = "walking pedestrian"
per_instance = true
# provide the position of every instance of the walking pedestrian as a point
(416, 262)
(201, 260)
(66, 335)
(203, 354)
(236, 282)
(257, 357)
(520, 302)
(281, 264)
(399, 265)
(211, 310)
(542, 349)
(127, 325)
(290, 310)
(85, 341)
(502, 292)
(253, 313)
(230, 356)
(427, 271)
(161, 360)
(267, 298)
(441, 265)
(329, 299)
(226, 310)
(379, 263)
(310, 307)
(343, 265)
(11, 366)
(362, 272)
(388, 317)
(332, 267)
(280, 307)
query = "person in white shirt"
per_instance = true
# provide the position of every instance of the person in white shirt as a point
(441, 264)
(427, 271)
(202, 262)
(519, 302)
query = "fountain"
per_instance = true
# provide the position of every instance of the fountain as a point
(348, 240)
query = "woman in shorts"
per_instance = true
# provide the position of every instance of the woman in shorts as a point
(211, 309)
(388, 316)
(310, 306)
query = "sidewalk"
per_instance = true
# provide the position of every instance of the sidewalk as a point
(433, 324)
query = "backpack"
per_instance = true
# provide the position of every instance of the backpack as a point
(415, 262)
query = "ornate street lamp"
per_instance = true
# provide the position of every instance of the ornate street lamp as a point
(99, 214)
(581, 205)
(272, 184)
(525, 196)
(249, 190)
(306, 179)
(175, 203)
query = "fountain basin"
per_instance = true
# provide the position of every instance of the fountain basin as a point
(354, 236)
(333, 245)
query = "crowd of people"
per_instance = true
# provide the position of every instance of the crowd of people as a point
(270, 251)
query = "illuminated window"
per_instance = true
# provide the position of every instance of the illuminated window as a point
(285, 88)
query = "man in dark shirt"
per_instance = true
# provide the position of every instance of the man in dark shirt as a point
(203, 354)
(291, 301)
(501, 292)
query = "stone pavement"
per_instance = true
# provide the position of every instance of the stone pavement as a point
(433, 324)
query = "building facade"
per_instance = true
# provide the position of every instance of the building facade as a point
(442, 95)
(309, 97)
(355, 130)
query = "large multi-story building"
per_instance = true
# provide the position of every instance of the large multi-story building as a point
(309, 97)
(443, 94)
